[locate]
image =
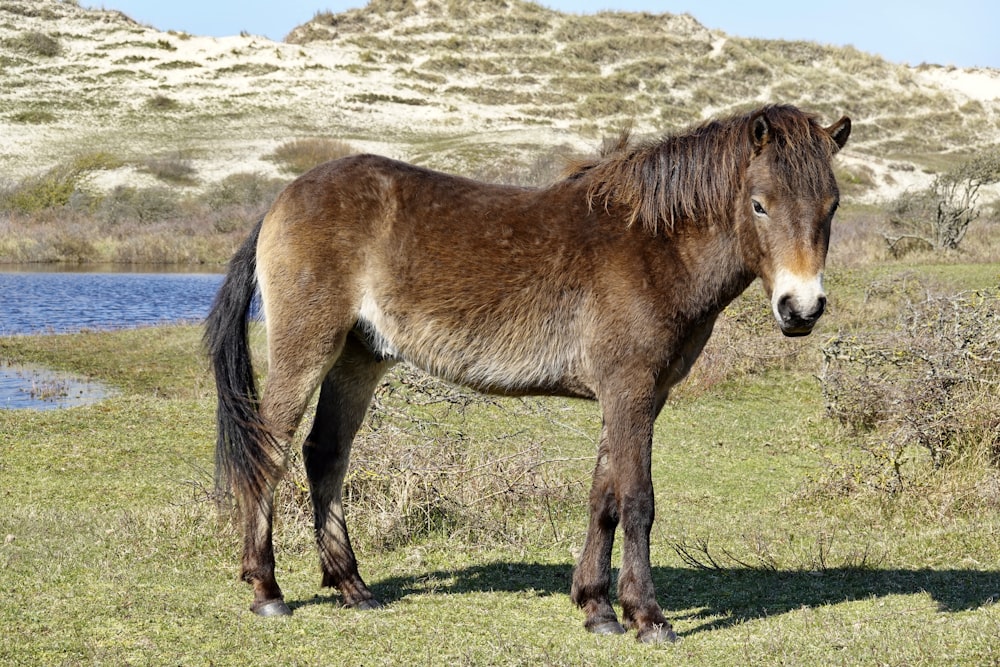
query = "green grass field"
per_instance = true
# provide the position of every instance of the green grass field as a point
(771, 544)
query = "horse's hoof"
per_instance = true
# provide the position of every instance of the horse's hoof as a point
(367, 605)
(273, 608)
(657, 634)
(607, 628)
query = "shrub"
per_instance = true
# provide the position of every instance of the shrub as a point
(173, 170)
(139, 205)
(238, 199)
(939, 216)
(52, 189)
(57, 187)
(931, 381)
(243, 189)
(300, 155)
(96, 161)
(35, 44)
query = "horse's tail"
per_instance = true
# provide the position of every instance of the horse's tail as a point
(242, 463)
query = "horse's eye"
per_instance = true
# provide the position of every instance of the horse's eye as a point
(758, 208)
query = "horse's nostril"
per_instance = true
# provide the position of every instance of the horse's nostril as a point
(820, 308)
(785, 307)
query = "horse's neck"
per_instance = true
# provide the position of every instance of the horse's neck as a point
(713, 256)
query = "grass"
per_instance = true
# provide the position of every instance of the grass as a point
(113, 552)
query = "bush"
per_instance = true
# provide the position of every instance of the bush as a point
(300, 155)
(238, 199)
(939, 216)
(140, 205)
(243, 189)
(931, 381)
(35, 44)
(173, 170)
(52, 189)
(57, 187)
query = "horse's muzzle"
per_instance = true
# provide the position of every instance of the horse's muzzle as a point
(795, 320)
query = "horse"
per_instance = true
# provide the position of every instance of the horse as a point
(604, 285)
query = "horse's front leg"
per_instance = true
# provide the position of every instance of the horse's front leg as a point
(622, 494)
(635, 581)
(592, 577)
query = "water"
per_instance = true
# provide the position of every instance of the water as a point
(57, 302)
(38, 388)
(40, 302)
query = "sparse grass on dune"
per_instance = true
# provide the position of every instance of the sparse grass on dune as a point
(466, 67)
(515, 80)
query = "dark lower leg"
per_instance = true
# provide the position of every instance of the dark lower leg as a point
(258, 559)
(337, 559)
(592, 577)
(636, 593)
(343, 401)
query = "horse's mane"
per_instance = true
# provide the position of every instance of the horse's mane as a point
(693, 176)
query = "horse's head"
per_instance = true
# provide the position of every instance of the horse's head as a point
(790, 198)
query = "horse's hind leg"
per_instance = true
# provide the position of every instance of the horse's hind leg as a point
(296, 366)
(343, 401)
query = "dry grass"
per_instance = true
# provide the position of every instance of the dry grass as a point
(55, 217)
(34, 43)
(426, 463)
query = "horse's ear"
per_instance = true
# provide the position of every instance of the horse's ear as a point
(840, 130)
(760, 130)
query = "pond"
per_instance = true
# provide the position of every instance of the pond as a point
(34, 301)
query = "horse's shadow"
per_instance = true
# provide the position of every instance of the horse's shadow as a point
(723, 597)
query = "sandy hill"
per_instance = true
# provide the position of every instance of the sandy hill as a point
(455, 84)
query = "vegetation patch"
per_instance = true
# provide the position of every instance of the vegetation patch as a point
(929, 381)
(162, 103)
(248, 69)
(176, 170)
(377, 98)
(300, 155)
(939, 216)
(33, 43)
(34, 117)
(55, 187)
(178, 64)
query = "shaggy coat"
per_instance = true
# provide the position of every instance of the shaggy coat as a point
(604, 285)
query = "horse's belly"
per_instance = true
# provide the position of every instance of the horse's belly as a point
(498, 357)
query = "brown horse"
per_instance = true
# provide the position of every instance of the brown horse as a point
(604, 285)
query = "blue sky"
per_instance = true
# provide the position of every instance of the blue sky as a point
(964, 33)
